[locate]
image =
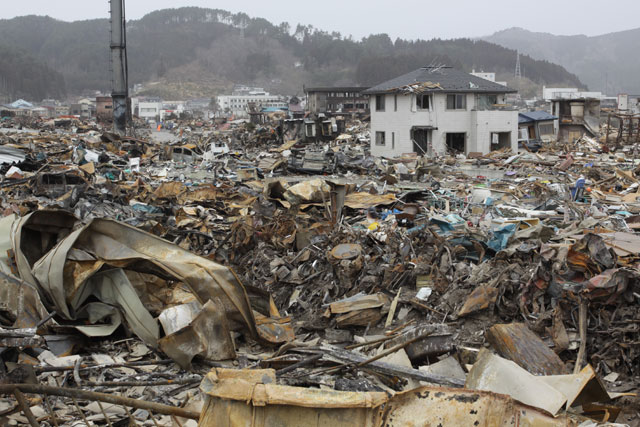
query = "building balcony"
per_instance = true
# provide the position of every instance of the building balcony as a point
(495, 107)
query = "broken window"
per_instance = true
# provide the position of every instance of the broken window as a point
(380, 137)
(486, 102)
(500, 140)
(422, 102)
(420, 137)
(456, 142)
(457, 101)
(379, 102)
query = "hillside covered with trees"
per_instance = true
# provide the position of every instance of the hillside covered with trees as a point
(204, 51)
(23, 76)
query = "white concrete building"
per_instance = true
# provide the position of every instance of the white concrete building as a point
(487, 76)
(150, 110)
(555, 93)
(439, 109)
(238, 103)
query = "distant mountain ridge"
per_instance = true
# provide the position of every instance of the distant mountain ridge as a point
(608, 62)
(198, 52)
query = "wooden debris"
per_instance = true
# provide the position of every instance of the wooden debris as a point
(516, 342)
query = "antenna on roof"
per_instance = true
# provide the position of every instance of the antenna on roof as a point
(435, 67)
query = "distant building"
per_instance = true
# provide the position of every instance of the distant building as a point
(348, 99)
(148, 109)
(198, 104)
(627, 103)
(62, 110)
(173, 107)
(487, 76)
(40, 112)
(21, 103)
(87, 107)
(439, 109)
(104, 108)
(578, 112)
(51, 111)
(237, 104)
(82, 110)
(555, 93)
(18, 108)
(296, 107)
(54, 108)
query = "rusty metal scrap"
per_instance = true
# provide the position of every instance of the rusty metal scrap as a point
(252, 398)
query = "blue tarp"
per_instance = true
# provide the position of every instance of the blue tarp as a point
(448, 223)
(501, 237)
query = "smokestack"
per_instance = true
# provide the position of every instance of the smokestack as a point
(119, 78)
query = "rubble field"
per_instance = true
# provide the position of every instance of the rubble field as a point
(232, 274)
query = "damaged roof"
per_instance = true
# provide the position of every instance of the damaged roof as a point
(535, 116)
(445, 79)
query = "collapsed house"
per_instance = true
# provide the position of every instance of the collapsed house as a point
(536, 126)
(577, 117)
(577, 112)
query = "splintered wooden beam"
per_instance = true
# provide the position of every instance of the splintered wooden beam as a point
(515, 341)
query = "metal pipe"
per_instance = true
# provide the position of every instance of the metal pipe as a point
(24, 405)
(100, 397)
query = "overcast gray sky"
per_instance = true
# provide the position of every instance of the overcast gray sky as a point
(409, 19)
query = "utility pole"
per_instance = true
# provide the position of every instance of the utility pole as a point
(119, 73)
(518, 70)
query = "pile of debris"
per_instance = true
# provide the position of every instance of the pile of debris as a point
(222, 272)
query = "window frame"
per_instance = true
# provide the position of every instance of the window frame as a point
(457, 96)
(381, 142)
(484, 103)
(380, 106)
(421, 97)
(546, 126)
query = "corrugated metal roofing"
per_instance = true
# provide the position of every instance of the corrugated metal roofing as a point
(11, 155)
(20, 103)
